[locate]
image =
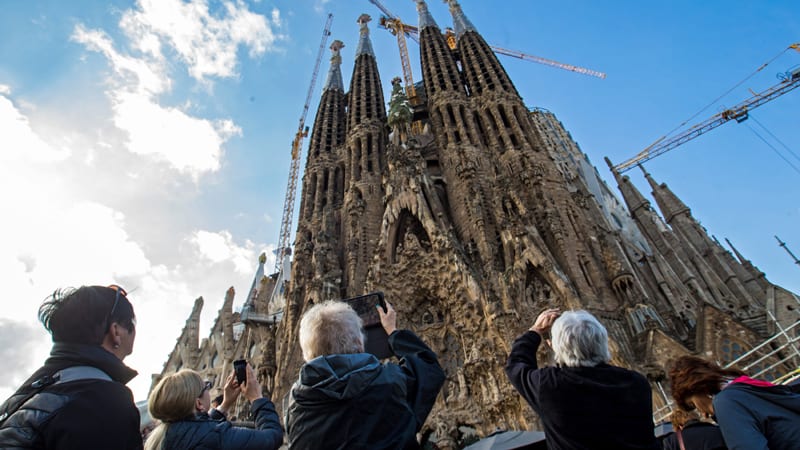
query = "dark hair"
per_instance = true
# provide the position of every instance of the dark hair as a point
(691, 375)
(81, 316)
(218, 400)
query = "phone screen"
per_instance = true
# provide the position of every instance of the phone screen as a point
(240, 367)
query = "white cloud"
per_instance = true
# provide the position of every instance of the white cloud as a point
(140, 75)
(220, 247)
(276, 17)
(17, 139)
(79, 186)
(319, 5)
(187, 143)
(207, 44)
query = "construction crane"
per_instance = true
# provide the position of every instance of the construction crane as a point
(401, 30)
(789, 81)
(284, 249)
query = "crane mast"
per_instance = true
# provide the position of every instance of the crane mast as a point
(739, 113)
(284, 244)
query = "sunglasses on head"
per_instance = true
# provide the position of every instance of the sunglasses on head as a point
(120, 292)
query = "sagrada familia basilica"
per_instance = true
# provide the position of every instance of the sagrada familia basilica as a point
(472, 221)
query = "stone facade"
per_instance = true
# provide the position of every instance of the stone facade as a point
(473, 226)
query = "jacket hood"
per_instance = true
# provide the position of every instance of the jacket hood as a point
(333, 378)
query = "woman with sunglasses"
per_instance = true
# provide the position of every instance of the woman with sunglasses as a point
(181, 402)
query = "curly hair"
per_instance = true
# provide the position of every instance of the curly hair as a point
(679, 418)
(690, 375)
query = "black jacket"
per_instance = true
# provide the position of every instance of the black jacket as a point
(88, 413)
(203, 432)
(355, 402)
(697, 435)
(601, 407)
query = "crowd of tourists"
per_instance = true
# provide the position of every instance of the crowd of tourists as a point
(345, 398)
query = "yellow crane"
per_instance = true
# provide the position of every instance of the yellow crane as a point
(789, 81)
(284, 241)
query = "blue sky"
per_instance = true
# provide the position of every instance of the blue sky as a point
(147, 142)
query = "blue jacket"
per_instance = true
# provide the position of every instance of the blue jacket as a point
(758, 418)
(204, 433)
(354, 402)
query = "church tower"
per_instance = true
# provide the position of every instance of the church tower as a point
(365, 160)
(475, 222)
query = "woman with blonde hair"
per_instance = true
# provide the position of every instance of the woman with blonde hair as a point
(182, 401)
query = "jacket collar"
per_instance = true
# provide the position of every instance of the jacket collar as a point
(66, 354)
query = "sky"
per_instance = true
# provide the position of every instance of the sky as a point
(147, 143)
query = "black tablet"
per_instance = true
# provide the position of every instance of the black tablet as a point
(376, 339)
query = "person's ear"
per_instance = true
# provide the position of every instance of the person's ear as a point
(115, 330)
(198, 405)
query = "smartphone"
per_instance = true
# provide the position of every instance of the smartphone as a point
(364, 305)
(377, 341)
(240, 368)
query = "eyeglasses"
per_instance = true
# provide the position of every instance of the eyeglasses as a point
(206, 387)
(120, 293)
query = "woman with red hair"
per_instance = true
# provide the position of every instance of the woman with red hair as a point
(752, 414)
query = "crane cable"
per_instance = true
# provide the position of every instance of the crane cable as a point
(796, 156)
(730, 90)
(777, 152)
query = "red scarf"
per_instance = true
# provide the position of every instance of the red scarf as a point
(744, 379)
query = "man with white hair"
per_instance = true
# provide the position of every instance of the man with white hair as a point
(583, 402)
(348, 399)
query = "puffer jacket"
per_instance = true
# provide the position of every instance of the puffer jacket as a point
(206, 433)
(353, 401)
(84, 413)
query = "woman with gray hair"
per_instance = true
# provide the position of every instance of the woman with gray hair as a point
(348, 399)
(583, 402)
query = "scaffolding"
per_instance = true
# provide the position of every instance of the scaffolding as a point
(781, 347)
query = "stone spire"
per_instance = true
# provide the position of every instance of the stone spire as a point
(425, 17)
(460, 21)
(633, 198)
(669, 203)
(328, 133)
(364, 42)
(334, 80)
(439, 70)
(364, 158)
(252, 294)
(482, 70)
(366, 92)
